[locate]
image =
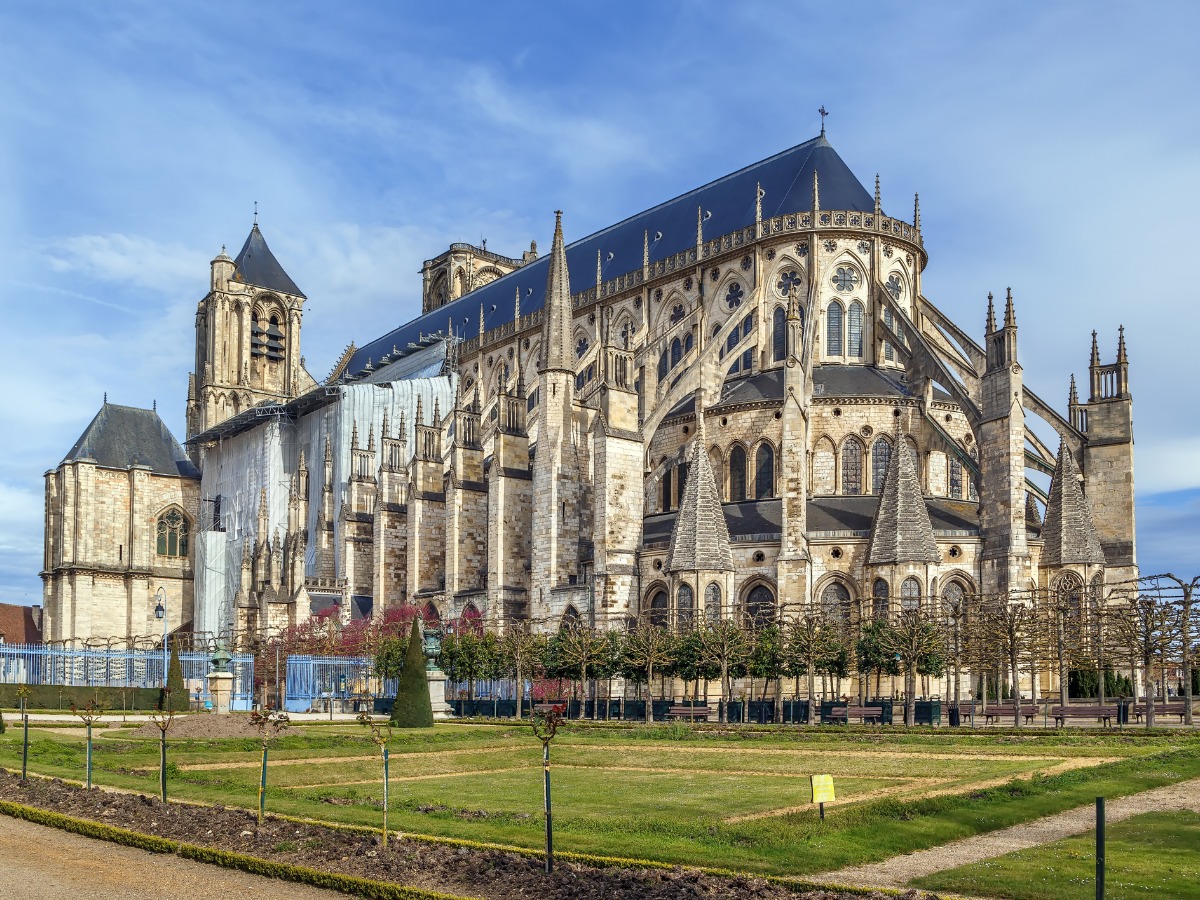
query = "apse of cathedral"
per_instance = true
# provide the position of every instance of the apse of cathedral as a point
(736, 404)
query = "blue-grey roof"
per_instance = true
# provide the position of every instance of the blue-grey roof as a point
(120, 437)
(786, 180)
(257, 265)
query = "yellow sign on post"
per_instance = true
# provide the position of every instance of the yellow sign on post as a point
(822, 788)
(822, 791)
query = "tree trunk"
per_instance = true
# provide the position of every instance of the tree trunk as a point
(725, 688)
(1015, 665)
(812, 700)
(1149, 689)
(1185, 626)
(910, 697)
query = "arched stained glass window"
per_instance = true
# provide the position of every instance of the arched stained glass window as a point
(431, 614)
(570, 619)
(856, 330)
(712, 602)
(172, 534)
(833, 329)
(581, 347)
(664, 366)
(1069, 589)
(760, 606)
(685, 607)
(764, 471)
(835, 602)
(953, 594)
(676, 352)
(658, 611)
(688, 342)
(881, 458)
(779, 335)
(737, 473)
(731, 342)
(880, 593)
(747, 324)
(955, 478)
(888, 353)
(910, 595)
(852, 454)
(666, 491)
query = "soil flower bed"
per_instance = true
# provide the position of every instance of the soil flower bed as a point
(435, 866)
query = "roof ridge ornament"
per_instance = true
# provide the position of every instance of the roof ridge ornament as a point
(823, 113)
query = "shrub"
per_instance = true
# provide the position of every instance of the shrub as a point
(413, 708)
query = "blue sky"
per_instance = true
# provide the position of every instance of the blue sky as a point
(1053, 145)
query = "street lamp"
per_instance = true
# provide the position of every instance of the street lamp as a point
(160, 612)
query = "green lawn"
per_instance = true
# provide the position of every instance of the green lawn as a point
(1152, 855)
(738, 800)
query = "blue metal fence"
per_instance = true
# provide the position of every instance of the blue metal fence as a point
(311, 681)
(43, 664)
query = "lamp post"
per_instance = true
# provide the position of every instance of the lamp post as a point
(160, 612)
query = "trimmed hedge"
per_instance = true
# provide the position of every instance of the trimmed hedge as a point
(348, 884)
(55, 697)
(413, 708)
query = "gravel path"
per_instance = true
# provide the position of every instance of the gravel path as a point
(47, 864)
(899, 870)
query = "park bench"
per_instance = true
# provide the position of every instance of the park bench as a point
(1104, 713)
(1000, 713)
(1160, 709)
(689, 712)
(868, 715)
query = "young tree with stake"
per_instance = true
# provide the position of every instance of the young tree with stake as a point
(269, 725)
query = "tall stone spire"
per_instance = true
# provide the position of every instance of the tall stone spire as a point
(1073, 397)
(1010, 313)
(902, 532)
(878, 205)
(1069, 532)
(556, 343)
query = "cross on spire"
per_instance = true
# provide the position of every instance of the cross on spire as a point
(824, 112)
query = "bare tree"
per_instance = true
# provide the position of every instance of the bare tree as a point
(1145, 628)
(810, 640)
(725, 646)
(1185, 605)
(581, 648)
(917, 644)
(647, 649)
(1008, 624)
(521, 651)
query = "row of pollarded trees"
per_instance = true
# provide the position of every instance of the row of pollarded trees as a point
(1139, 632)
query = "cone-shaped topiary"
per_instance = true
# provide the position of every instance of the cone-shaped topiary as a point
(179, 694)
(413, 708)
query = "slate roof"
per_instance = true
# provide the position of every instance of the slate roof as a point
(120, 437)
(700, 538)
(19, 625)
(257, 265)
(786, 180)
(1069, 533)
(756, 388)
(903, 531)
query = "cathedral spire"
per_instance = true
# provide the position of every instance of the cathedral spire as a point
(385, 433)
(482, 326)
(354, 435)
(1095, 350)
(758, 195)
(1073, 397)
(878, 205)
(916, 210)
(599, 275)
(699, 229)
(902, 531)
(991, 314)
(1069, 533)
(420, 412)
(1122, 356)
(1010, 313)
(556, 345)
(816, 195)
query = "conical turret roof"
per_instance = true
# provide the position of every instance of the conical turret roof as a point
(1069, 533)
(700, 540)
(902, 532)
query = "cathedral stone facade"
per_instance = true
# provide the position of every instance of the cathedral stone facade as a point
(735, 404)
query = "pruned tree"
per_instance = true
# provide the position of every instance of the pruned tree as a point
(916, 644)
(1008, 624)
(1185, 603)
(521, 651)
(648, 649)
(580, 649)
(870, 654)
(1145, 628)
(725, 647)
(810, 640)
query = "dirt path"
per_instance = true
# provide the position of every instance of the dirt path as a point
(47, 864)
(899, 870)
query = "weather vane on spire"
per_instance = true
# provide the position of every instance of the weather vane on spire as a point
(823, 113)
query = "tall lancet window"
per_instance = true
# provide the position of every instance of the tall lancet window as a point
(764, 471)
(685, 607)
(779, 335)
(881, 458)
(852, 454)
(888, 353)
(833, 329)
(955, 478)
(737, 474)
(712, 602)
(856, 330)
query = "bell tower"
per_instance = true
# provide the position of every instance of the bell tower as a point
(247, 337)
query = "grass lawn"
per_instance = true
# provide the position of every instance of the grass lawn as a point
(738, 800)
(1152, 855)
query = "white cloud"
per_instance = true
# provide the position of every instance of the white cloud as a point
(129, 259)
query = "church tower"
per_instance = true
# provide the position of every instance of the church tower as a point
(247, 337)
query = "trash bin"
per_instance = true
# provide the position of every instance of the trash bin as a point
(954, 717)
